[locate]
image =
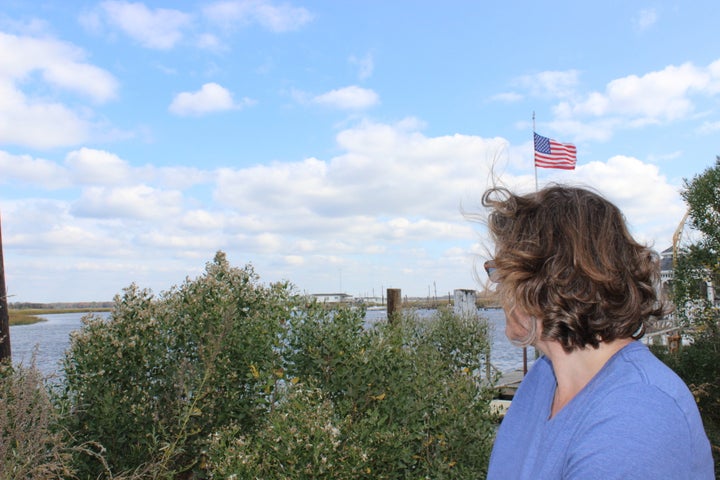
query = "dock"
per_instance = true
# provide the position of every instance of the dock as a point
(506, 386)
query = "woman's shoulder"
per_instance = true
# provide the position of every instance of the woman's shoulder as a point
(636, 368)
(637, 404)
(654, 419)
(640, 388)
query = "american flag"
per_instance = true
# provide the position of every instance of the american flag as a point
(552, 154)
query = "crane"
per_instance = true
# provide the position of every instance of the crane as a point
(676, 237)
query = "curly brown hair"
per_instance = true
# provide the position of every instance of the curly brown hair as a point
(564, 255)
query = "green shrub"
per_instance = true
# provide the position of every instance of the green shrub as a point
(400, 400)
(223, 377)
(153, 381)
(303, 438)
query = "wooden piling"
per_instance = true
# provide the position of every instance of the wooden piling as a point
(464, 303)
(394, 303)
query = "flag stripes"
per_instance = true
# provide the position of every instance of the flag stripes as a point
(553, 154)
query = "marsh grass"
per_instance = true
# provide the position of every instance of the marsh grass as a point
(30, 445)
(28, 316)
(23, 317)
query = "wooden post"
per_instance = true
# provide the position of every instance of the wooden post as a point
(394, 303)
(674, 342)
(464, 303)
(5, 351)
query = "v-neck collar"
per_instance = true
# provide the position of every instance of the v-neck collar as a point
(583, 391)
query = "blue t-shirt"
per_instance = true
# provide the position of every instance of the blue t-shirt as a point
(635, 419)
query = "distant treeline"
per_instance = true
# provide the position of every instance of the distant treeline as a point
(59, 305)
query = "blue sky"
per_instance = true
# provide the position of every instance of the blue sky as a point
(333, 144)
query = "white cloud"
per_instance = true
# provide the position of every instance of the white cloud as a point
(178, 178)
(351, 98)
(97, 167)
(385, 169)
(51, 234)
(163, 240)
(657, 97)
(91, 21)
(580, 129)
(135, 202)
(714, 71)
(646, 19)
(389, 199)
(664, 157)
(276, 18)
(60, 64)
(651, 204)
(653, 97)
(160, 28)
(70, 236)
(210, 98)
(709, 127)
(209, 41)
(25, 169)
(299, 96)
(38, 123)
(203, 220)
(279, 187)
(29, 118)
(365, 65)
(556, 84)
(507, 97)
(295, 260)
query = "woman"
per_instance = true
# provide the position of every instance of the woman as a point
(597, 404)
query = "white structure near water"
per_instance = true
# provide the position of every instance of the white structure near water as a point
(332, 297)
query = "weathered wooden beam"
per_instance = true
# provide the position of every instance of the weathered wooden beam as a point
(5, 350)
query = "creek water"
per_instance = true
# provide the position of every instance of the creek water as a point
(48, 340)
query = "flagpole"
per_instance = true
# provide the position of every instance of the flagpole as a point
(525, 350)
(535, 164)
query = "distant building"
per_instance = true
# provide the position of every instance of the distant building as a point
(666, 268)
(371, 300)
(332, 297)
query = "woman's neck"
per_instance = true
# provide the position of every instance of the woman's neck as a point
(574, 370)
